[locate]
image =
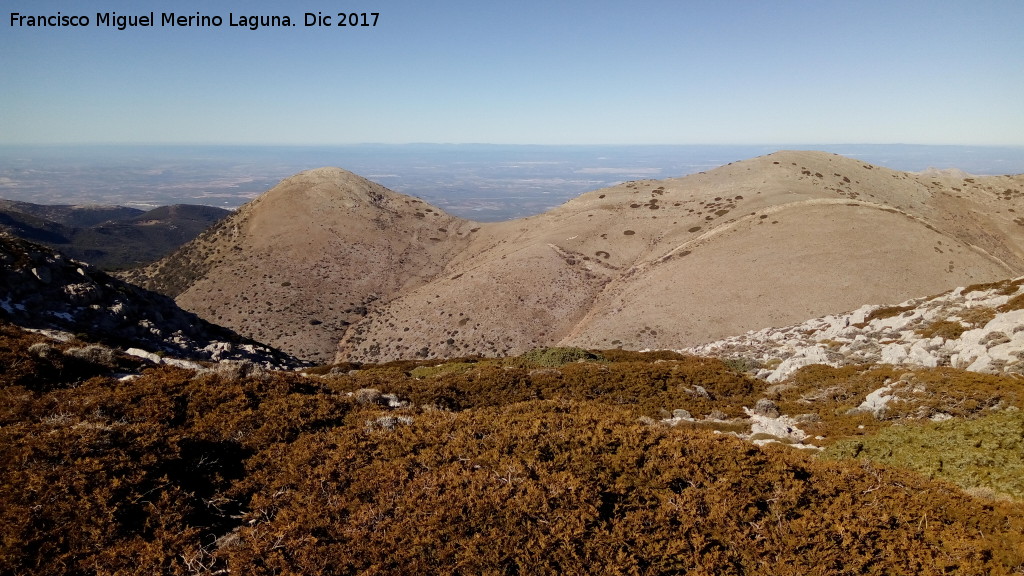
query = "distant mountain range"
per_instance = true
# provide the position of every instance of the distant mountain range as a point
(329, 265)
(109, 237)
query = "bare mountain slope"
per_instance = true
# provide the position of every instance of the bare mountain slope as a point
(764, 242)
(653, 264)
(302, 261)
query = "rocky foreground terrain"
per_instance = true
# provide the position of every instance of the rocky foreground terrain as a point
(979, 328)
(558, 461)
(329, 266)
(43, 290)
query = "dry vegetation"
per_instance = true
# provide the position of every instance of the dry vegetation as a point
(329, 263)
(533, 465)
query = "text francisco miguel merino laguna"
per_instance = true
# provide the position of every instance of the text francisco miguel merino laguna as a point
(122, 21)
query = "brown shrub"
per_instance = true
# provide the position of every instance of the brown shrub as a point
(557, 487)
(978, 316)
(887, 312)
(948, 329)
(1005, 287)
(1015, 303)
(543, 471)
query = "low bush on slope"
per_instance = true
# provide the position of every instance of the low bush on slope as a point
(834, 396)
(985, 455)
(650, 384)
(579, 487)
(182, 472)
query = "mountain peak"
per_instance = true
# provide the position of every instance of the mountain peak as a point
(325, 188)
(316, 249)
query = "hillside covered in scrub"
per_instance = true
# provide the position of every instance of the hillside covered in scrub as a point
(330, 266)
(556, 461)
(884, 439)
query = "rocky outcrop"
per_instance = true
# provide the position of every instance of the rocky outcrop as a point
(979, 328)
(44, 290)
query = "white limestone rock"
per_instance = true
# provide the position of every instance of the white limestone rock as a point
(140, 353)
(780, 427)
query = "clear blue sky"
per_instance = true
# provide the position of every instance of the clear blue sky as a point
(551, 72)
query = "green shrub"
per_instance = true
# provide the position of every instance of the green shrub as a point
(441, 369)
(741, 364)
(557, 356)
(986, 452)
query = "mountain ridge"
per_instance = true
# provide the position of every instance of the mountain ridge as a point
(110, 237)
(768, 241)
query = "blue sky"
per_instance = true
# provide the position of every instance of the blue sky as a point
(553, 72)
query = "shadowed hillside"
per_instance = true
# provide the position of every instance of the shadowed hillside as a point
(43, 290)
(110, 237)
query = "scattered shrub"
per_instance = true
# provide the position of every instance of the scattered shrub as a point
(94, 354)
(743, 364)
(978, 316)
(948, 329)
(441, 369)
(1005, 287)
(1015, 303)
(557, 356)
(887, 312)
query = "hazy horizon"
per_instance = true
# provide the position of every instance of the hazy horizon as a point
(484, 182)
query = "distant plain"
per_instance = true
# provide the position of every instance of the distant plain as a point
(480, 182)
